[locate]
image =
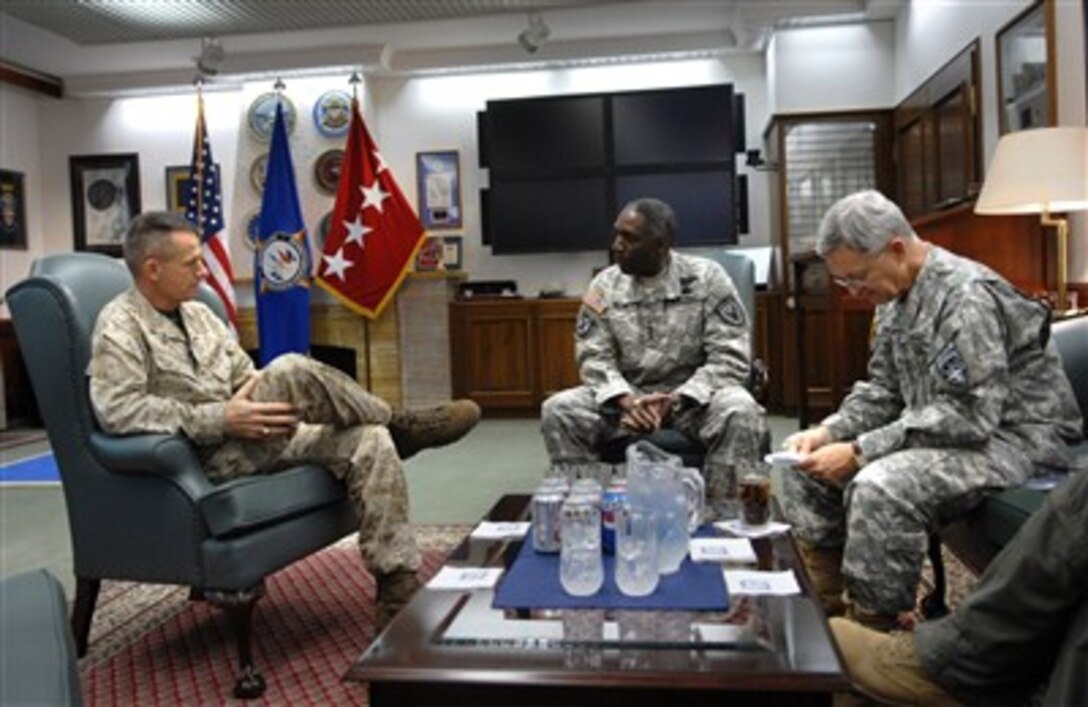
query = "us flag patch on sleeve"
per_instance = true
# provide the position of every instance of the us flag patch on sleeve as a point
(594, 299)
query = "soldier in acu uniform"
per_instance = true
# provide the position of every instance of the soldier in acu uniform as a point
(661, 340)
(965, 394)
(164, 363)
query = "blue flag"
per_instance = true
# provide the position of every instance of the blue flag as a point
(282, 267)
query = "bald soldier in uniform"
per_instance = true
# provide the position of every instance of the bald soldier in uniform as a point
(661, 340)
(162, 362)
(965, 394)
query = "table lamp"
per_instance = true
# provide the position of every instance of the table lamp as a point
(1041, 171)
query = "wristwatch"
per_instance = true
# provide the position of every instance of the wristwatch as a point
(859, 456)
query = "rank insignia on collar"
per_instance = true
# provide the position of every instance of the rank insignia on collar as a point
(731, 312)
(951, 367)
(586, 322)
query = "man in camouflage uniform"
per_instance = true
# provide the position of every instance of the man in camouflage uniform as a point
(965, 394)
(164, 363)
(662, 340)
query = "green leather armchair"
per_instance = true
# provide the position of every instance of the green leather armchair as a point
(140, 508)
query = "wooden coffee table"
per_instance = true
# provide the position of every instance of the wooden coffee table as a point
(450, 648)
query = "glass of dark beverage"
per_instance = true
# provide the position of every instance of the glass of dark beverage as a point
(755, 499)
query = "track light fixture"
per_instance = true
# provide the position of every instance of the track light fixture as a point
(211, 56)
(535, 35)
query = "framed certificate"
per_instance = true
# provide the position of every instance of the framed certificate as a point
(438, 177)
(105, 199)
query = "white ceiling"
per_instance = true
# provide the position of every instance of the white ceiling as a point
(109, 46)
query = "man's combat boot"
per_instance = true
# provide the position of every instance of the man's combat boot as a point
(413, 430)
(824, 565)
(886, 666)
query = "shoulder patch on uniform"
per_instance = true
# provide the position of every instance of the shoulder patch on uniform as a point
(731, 311)
(950, 365)
(594, 299)
(586, 322)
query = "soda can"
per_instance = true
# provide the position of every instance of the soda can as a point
(613, 497)
(545, 513)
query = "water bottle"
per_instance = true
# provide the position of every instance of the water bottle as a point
(636, 551)
(581, 566)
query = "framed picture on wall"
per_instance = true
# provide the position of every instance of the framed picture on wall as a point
(1025, 70)
(12, 210)
(105, 198)
(438, 176)
(178, 187)
(451, 252)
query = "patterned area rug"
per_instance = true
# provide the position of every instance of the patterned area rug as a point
(151, 645)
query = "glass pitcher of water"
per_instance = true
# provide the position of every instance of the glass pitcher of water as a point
(657, 481)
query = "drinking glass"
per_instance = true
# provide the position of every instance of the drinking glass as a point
(581, 567)
(755, 498)
(636, 551)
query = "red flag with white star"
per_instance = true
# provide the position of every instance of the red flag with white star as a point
(374, 232)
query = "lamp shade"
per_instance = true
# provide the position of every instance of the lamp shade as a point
(1037, 171)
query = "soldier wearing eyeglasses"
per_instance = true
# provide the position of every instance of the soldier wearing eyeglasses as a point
(965, 394)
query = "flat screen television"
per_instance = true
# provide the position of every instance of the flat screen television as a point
(561, 166)
(546, 135)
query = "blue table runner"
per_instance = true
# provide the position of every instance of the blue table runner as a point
(532, 582)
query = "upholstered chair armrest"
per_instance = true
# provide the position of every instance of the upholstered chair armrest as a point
(169, 456)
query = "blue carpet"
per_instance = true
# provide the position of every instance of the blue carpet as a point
(36, 470)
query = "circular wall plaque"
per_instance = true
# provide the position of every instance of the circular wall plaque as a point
(258, 171)
(262, 115)
(252, 225)
(332, 113)
(327, 170)
(323, 231)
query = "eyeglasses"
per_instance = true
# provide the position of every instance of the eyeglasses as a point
(857, 280)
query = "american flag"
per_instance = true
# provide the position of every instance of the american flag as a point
(205, 210)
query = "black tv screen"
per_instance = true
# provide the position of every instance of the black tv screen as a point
(561, 166)
(691, 125)
(550, 215)
(702, 201)
(546, 135)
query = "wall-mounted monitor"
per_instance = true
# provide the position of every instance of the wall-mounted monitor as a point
(561, 166)
(546, 135)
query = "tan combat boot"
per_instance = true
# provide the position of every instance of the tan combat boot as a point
(871, 619)
(413, 430)
(824, 565)
(395, 590)
(885, 665)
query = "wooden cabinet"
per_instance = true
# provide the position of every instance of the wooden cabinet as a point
(510, 354)
(820, 158)
(937, 138)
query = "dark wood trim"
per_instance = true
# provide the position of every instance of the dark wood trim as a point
(31, 80)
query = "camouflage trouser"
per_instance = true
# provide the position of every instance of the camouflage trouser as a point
(342, 430)
(732, 427)
(884, 515)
